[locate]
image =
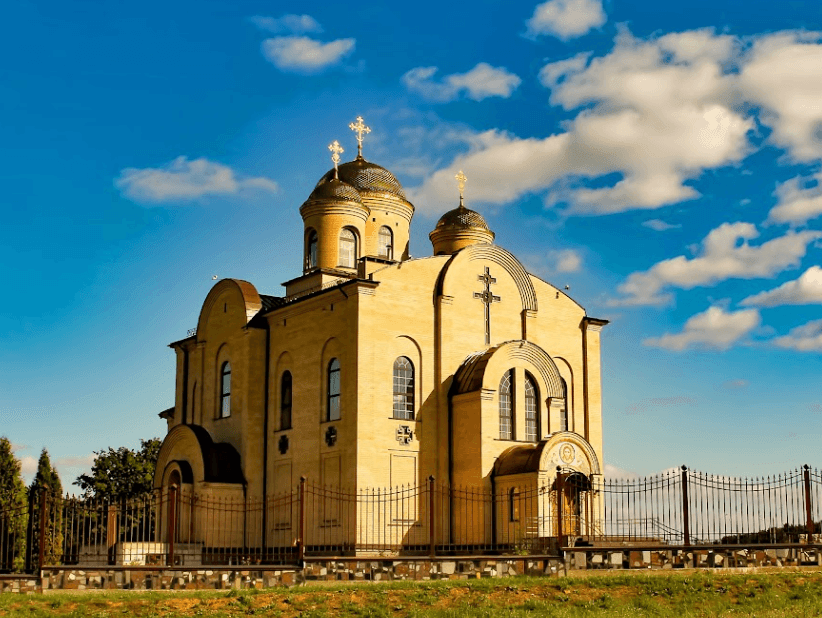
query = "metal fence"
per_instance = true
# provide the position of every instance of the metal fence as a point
(509, 516)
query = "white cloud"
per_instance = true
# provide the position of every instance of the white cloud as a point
(653, 115)
(566, 19)
(479, 83)
(725, 254)
(293, 24)
(28, 468)
(800, 199)
(613, 472)
(659, 225)
(714, 328)
(807, 290)
(565, 261)
(185, 180)
(805, 338)
(300, 54)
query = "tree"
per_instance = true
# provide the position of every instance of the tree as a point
(47, 487)
(122, 474)
(13, 511)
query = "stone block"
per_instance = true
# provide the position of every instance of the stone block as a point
(580, 560)
(615, 558)
(448, 567)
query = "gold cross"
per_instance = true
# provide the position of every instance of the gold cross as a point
(461, 178)
(359, 128)
(336, 151)
(487, 297)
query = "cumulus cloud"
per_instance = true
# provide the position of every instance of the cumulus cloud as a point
(301, 54)
(565, 19)
(725, 254)
(614, 472)
(714, 328)
(659, 402)
(28, 467)
(807, 290)
(799, 200)
(659, 225)
(649, 117)
(565, 261)
(293, 24)
(479, 83)
(185, 180)
(805, 338)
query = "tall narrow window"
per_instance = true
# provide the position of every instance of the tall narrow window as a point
(386, 237)
(513, 504)
(506, 406)
(563, 413)
(531, 409)
(348, 248)
(403, 388)
(332, 412)
(285, 401)
(225, 390)
(311, 250)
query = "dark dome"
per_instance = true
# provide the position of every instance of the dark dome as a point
(462, 217)
(365, 177)
(334, 189)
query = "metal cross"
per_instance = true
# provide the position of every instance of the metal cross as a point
(461, 178)
(487, 298)
(336, 151)
(359, 128)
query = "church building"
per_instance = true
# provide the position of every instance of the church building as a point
(374, 369)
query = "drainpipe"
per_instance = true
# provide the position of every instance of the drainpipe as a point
(265, 434)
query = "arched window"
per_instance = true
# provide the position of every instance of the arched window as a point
(506, 406)
(513, 504)
(285, 401)
(563, 413)
(386, 237)
(532, 432)
(348, 248)
(332, 412)
(311, 250)
(225, 390)
(403, 389)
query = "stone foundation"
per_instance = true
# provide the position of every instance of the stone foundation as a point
(691, 558)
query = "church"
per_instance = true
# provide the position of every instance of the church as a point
(376, 370)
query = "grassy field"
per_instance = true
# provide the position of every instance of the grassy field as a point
(670, 594)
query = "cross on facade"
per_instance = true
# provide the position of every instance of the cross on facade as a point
(404, 434)
(336, 151)
(359, 128)
(487, 298)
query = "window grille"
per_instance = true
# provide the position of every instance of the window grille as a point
(348, 248)
(333, 405)
(225, 392)
(386, 238)
(506, 407)
(403, 388)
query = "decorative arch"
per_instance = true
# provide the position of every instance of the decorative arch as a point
(501, 257)
(471, 374)
(207, 461)
(247, 294)
(570, 437)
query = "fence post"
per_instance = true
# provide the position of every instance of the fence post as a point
(111, 533)
(41, 545)
(172, 521)
(686, 524)
(301, 523)
(560, 488)
(431, 514)
(808, 512)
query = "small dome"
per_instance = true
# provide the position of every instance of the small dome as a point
(365, 177)
(463, 217)
(333, 189)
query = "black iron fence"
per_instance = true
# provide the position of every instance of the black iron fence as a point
(522, 515)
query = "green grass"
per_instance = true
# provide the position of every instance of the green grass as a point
(658, 594)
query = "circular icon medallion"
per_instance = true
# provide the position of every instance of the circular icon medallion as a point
(567, 453)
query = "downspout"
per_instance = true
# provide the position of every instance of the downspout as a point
(265, 434)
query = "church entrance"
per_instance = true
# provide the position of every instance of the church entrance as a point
(573, 487)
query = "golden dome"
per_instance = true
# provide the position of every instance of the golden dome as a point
(334, 189)
(463, 217)
(366, 177)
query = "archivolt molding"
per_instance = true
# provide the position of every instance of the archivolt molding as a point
(251, 299)
(555, 442)
(181, 443)
(497, 255)
(471, 374)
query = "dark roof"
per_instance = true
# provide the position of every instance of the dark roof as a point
(519, 459)
(271, 302)
(168, 413)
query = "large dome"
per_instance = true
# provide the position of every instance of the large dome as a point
(462, 217)
(366, 177)
(334, 189)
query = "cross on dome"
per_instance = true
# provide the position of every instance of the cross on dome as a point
(336, 151)
(359, 128)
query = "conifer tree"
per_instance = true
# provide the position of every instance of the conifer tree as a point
(13, 511)
(47, 486)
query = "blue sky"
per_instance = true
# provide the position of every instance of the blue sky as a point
(662, 159)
